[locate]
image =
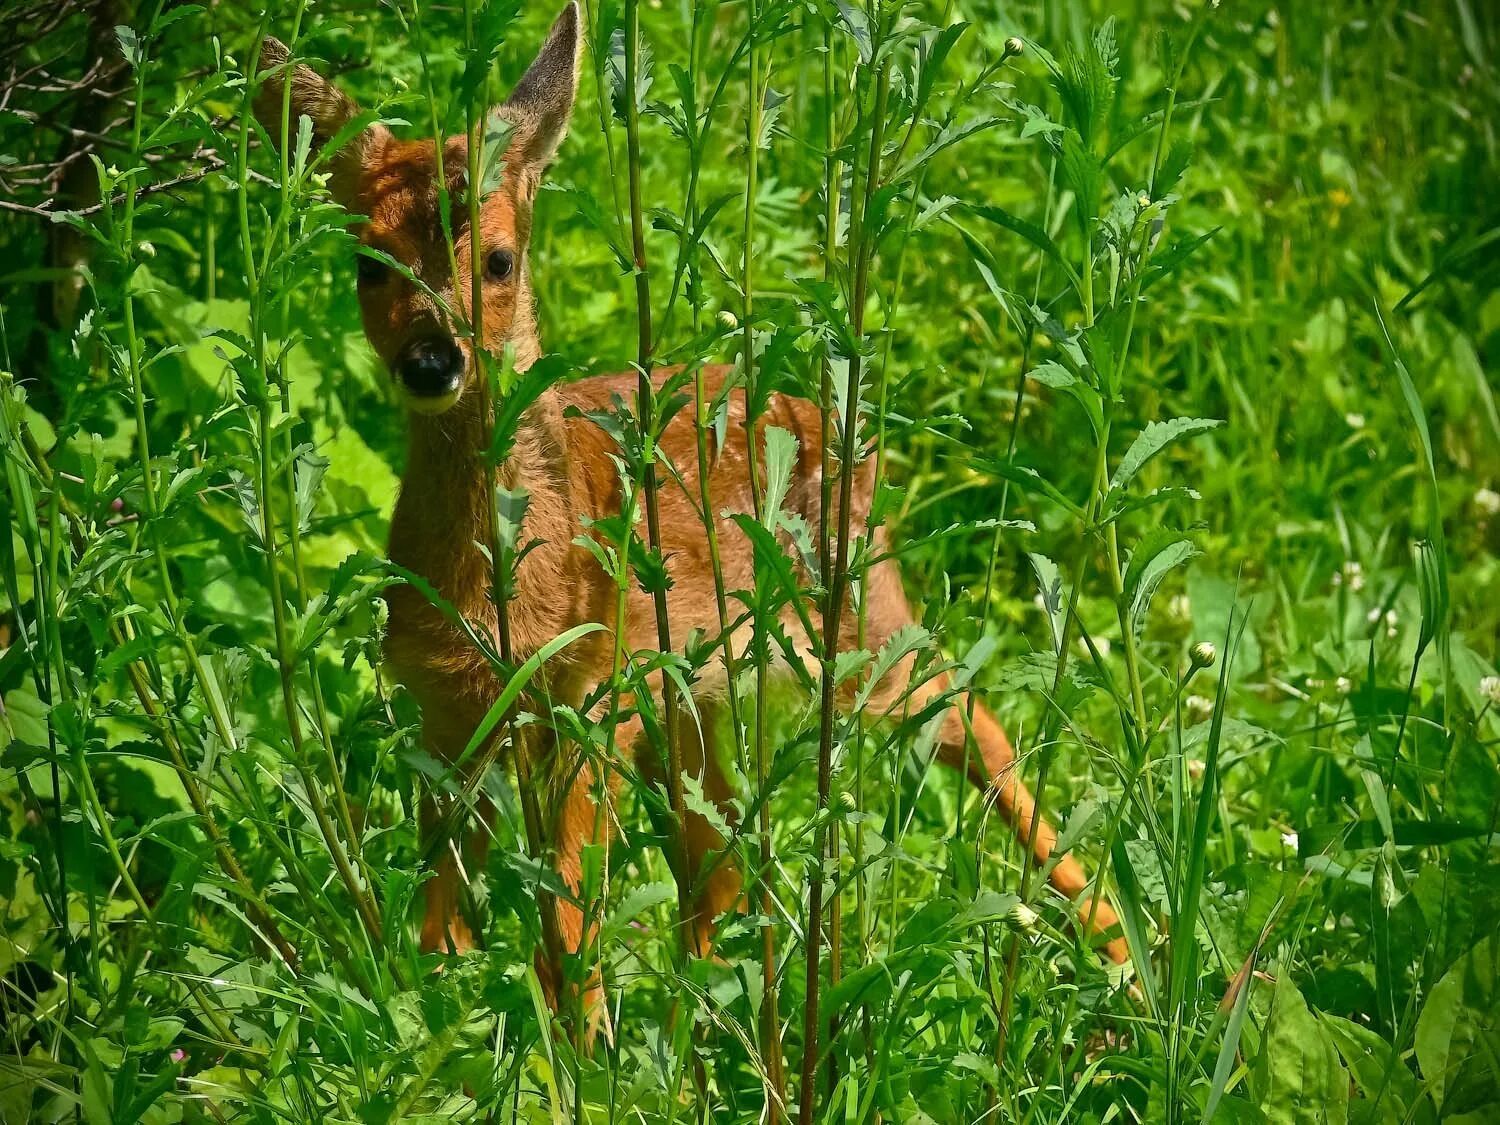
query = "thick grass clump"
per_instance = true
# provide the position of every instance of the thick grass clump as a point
(1169, 341)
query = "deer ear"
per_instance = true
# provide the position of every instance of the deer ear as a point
(542, 102)
(324, 104)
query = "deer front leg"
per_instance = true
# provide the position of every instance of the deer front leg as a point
(458, 853)
(455, 840)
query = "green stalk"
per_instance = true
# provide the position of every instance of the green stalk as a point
(770, 1018)
(838, 591)
(645, 410)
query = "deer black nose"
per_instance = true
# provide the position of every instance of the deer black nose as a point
(431, 366)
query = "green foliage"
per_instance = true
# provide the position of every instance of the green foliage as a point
(1171, 328)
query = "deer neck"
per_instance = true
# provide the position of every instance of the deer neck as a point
(443, 509)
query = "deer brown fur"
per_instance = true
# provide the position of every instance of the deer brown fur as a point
(563, 461)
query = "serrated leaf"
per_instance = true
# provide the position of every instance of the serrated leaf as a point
(1152, 440)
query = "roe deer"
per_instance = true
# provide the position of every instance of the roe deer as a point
(563, 461)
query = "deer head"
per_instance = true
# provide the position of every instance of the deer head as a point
(394, 184)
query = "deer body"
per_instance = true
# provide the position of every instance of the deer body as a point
(563, 462)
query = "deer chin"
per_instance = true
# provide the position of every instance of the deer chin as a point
(429, 405)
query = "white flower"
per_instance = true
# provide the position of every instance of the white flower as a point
(1199, 707)
(1487, 500)
(1343, 685)
(1355, 421)
(1289, 840)
(1373, 616)
(1489, 687)
(1352, 575)
(1180, 608)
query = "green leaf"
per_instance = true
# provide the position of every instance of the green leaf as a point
(517, 683)
(1303, 1079)
(1016, 225)
(1391, 1094)
(1029, 480)
(1158, 552)
(1458, 1032)
(1152, 440)
(643, 61)
(780, 458)
(130, 45)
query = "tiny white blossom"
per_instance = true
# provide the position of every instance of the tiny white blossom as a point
(1289, 839)
(1200, 707)
(1355, 420)
(1373, 616)
(1196, 768)
(1489, 687)
(1180, 608)
(1487, 500)
(1343, 685)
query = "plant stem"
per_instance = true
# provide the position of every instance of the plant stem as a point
(838, 591)
(645, 411)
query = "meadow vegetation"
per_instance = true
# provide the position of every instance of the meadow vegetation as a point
(1171, 329)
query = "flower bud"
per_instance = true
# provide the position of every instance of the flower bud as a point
(1203, 655)
(1014, 46)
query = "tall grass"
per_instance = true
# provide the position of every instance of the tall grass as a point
(1166, 341)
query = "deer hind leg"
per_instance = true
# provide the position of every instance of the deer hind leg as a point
(988, 760)
(716, 888)
(577, 820)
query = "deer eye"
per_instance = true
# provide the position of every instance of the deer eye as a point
(371, 271)
(499, 264)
